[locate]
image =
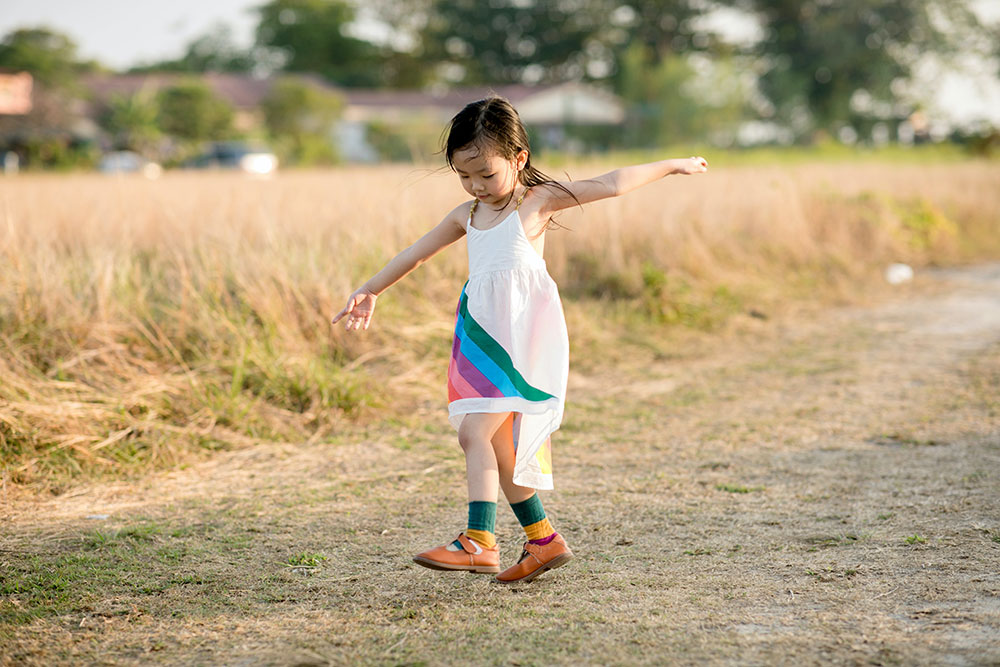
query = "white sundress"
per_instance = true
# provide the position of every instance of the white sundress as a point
(511, 349)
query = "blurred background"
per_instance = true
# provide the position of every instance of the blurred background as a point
(127, 86)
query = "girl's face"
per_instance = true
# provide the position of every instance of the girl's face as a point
(487, 176)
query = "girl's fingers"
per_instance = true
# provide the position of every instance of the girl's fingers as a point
(339, 316)
(356, 318)
(347, 309)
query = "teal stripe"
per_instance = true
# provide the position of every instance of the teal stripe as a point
(498, 355)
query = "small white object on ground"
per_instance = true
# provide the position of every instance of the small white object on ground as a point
(98, 517)
(896, 274)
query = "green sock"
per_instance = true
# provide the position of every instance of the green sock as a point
(482, 523)
(531, 516)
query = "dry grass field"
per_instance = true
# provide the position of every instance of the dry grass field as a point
(144, 323)
(768, 456)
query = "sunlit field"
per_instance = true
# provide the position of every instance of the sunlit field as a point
(769, 455)
(147, 323)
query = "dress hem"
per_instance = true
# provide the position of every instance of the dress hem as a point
(463, 406)
(534, 480)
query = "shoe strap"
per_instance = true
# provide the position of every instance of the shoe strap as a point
(529, 549)
(466, 543)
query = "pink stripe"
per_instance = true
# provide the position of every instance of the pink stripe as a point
(462, 386)
(475, 377)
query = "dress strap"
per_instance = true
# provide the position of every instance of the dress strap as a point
(472, 210)
(521, 198)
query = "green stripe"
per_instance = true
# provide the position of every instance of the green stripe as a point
(494, 351)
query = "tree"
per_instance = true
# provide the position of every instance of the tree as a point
(656, 46)
(663, 107)
(829, 65)
(190, 110)
(301, 117)
(311, 35)
(532, 41)
(663, 27)
(49, 56)
(133, 122)
(514, 41)
(401, 57)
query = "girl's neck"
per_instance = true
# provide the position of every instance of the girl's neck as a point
(510, 200)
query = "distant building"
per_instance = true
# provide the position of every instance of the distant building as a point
(549, 111)
(15, 92)
(243, 93)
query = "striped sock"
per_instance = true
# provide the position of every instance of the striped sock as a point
(482, 523)
(531, 515)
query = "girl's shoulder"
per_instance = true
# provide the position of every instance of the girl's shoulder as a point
(542, 196)
(459, 215)
(538, 198)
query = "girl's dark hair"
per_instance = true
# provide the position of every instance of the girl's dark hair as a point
(493, 124)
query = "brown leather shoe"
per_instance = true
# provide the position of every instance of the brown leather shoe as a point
(472, 557)
(537, 558)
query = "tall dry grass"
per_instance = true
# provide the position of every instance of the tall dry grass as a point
(146, 322)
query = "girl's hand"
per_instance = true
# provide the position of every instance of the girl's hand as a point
(692, 165)
(359, 310)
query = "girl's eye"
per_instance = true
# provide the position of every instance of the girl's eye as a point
(491, 176)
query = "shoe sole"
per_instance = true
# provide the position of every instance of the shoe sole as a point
(558, 561)
(472, 569)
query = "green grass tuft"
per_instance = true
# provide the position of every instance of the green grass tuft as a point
(737, 488)
(306, 560)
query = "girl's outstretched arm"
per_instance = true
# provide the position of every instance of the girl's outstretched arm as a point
(617, 182)
(361, 304)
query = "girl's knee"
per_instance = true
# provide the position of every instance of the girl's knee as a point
(468, 437)
(479, 429)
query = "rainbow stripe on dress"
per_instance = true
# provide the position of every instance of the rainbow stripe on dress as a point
(480, 367)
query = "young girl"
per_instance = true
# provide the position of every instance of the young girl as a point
(510, 357)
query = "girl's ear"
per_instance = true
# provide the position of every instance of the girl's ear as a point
(521, 159)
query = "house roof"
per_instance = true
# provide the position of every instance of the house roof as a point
(552, 104)
(450, 98)
(241, 91)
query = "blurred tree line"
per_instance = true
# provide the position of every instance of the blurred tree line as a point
(810, 68)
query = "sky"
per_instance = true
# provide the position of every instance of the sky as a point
(123, 33)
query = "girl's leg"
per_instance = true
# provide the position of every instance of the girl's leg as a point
(503, 448)
(523, 500)
(475, 550)
(474, 435)
(482, 474)
(545, 549)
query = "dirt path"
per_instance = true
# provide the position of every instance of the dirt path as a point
(825, 491)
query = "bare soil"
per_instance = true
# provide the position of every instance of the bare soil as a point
(817, 489)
